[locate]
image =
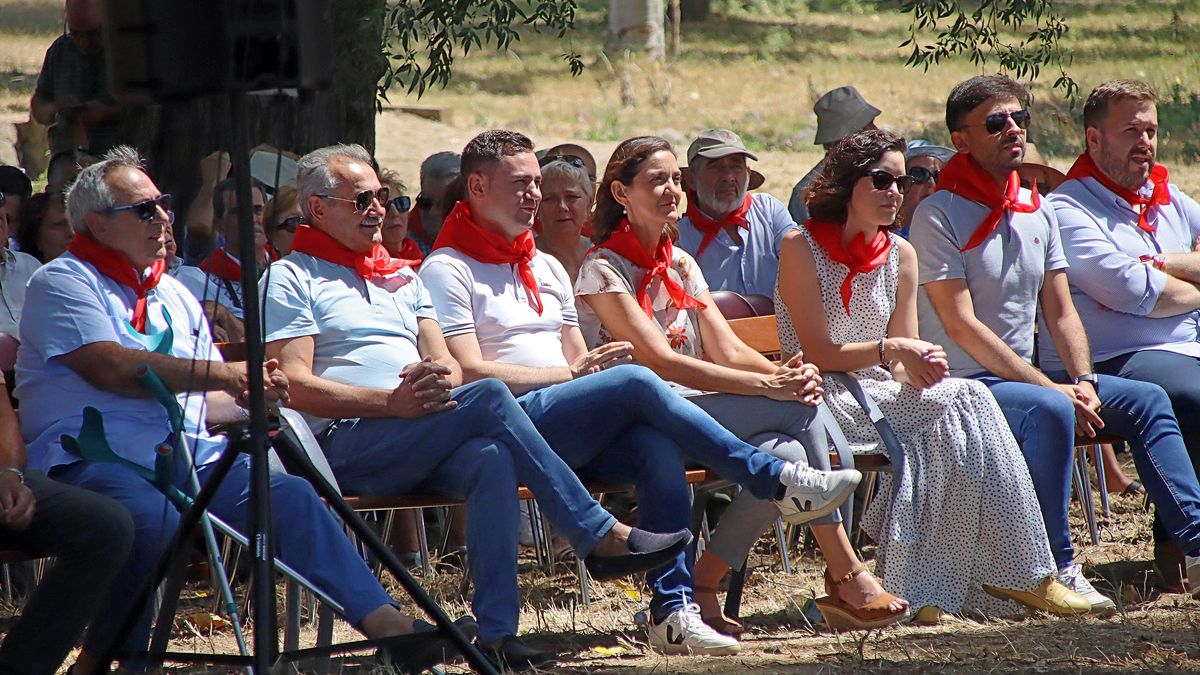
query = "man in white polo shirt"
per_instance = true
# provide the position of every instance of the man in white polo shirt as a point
(732, 234)
(1131, 239)
(509, 313)
(357, 335)
(105, 309)
(989, 253)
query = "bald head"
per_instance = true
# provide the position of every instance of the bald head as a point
(84, 15)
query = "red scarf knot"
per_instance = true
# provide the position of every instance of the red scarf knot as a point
(709, 227)
(319, 244)
(114, 265)
(461, 233)
(625, 243)
(1085, 167)
(965, 178)
(223, 266)
(410, 253)
(861, 257)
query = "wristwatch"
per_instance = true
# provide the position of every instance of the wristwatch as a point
(1093, 378)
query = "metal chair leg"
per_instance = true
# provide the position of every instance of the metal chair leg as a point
(781, 539)
(423, 539)
(1083, 490)
(1102, 480)
(585, 591)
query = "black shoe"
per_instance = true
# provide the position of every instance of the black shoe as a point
(423, 648)
(512, 654)
(603, 568)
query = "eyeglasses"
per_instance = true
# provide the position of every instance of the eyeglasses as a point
(402, 203)
(146, 210)
(290, 224)
(362, 201)
(425, 203)
(996, 122)
(566, 159)
(882, 180)
(920, 174)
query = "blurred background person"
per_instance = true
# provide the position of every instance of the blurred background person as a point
(425, 220)
(281, 217)
(565, 210)
(43, 230)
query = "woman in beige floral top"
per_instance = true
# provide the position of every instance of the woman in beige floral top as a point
(635, 286)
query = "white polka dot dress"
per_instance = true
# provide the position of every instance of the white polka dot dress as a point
(965, 513)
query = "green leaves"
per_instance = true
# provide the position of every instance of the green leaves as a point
(423, 37)
(1021, 36)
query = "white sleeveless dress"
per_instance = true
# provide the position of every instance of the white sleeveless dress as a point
(965, 513)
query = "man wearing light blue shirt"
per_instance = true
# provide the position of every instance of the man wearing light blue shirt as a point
(1131, 239)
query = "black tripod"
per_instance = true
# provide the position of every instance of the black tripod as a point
(255, 441)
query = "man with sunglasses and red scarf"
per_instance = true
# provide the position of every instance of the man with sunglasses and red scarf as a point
(989, 255)
(356, 332)
(1132, 240)
(104, 309)
(733, 235)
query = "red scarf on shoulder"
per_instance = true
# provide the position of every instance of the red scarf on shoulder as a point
(222, 265)
(410, 252)
(375, 263)
(1085, 167)
(965, 178)
(860, 258)
(709, 227)
(113, 264)
(625, 243)
(461, 233)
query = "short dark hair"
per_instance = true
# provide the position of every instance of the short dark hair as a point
(623, 167)
(489, 147)
(230, 185)
(970, 94)
(828, 196)
(1096, 108)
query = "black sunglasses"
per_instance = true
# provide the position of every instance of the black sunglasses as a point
(566, 159)
(996, 122)
(362, 201)
(146, 210)
(922, 175)
(402, 203)
(290, 224)
(882, 180)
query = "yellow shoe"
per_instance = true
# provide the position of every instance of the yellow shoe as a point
(1050, 596)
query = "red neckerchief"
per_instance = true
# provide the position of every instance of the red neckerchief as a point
(461, 233)
(862, 256)
(410, 253)
(625, 243)
(710, 227)
(965, 178)
(113, 264)
(317, 243)
(223, 266)
(1084, 167)
(416, 229)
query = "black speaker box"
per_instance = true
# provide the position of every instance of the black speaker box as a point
(178, 49)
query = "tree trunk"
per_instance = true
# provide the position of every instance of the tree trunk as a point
(179, 134)
(637, 26)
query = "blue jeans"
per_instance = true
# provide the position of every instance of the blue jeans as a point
(307, 538)
(479, 451)
(626, 425)
(1168, 473)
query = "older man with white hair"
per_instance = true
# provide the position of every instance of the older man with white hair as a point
(733, 234)
(105, 310)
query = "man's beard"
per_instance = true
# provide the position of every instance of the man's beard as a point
(1119, 169)
(714, 207)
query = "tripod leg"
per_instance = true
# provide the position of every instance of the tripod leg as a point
(172, 585)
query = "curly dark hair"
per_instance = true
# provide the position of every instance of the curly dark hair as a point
(828, 197)
(623, 167)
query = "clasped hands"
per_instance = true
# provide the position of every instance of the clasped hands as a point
(796, 380)
(424, 388)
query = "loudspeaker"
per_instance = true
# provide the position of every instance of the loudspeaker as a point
(176, 49)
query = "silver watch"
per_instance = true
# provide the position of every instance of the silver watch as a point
(1092, 378)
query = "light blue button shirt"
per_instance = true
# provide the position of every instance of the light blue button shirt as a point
(76, 306)
(1113, 291)
(212, 288)
(364, 333)
(752, 267)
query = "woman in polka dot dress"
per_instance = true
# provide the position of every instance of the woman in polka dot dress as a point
(963, 531)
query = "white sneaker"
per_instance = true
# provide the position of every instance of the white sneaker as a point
(1193, 574)
(813, 494)
(1072, 577)
(684, 632)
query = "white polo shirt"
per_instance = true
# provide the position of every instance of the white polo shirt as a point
(490, 300)
(77, 306)
(364, 332)
(16, 268)
(749, 268)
